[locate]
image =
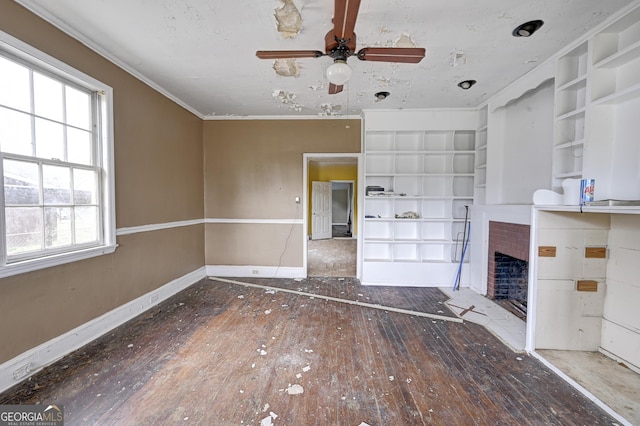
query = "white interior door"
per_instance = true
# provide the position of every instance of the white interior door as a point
(320, 210)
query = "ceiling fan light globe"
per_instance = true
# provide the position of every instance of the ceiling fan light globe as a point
(339, 73)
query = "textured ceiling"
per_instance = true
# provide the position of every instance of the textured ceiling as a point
(201, 53)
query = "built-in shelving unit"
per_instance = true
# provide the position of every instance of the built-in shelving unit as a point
(570, 114)
(418, 219)
(597, 96)
(613, 113)
(481, 157)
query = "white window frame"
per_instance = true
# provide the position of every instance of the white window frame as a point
(105, 145)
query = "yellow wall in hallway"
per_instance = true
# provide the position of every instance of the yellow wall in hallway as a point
(334, 171)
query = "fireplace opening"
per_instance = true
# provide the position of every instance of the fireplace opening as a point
(511, 279)
(508, 257)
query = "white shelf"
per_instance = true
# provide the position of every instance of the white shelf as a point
(574, 174)
(569, 144)
(620, 37)
(435, 170)
(620, 97)
(480, 167)
(571, 114)
(621, 58)
(572, 66)
(573, 84)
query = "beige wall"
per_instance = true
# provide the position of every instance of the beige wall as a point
(253, 170)
(158, 158)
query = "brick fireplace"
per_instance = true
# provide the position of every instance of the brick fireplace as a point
(508, 259)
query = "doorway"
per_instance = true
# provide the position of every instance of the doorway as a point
(342, 202)
(333, 253)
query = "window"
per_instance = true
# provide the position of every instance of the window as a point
(56, 161)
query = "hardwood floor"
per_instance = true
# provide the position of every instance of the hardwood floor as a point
(226, 354)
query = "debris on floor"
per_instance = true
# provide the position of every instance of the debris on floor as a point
(295, 389)
(267, 421)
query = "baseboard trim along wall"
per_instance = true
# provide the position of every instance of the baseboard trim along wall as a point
(30, 362)
(256, 271)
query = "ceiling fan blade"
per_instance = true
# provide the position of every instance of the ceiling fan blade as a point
(333, 89)
(344, 17)
(281, 54)
(409, 55)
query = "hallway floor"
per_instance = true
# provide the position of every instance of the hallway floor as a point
(334, 257)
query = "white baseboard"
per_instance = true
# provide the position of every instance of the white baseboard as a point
(35, 359)
(256, 271)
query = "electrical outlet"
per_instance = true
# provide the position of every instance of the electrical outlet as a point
(255, 272)
(22, 371)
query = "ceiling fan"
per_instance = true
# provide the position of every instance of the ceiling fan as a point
(340, 44)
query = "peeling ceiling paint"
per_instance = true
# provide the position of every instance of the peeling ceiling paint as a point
(288, 19)
(404, 41)
(287, 67)
(287, 99)
(457, 57)
(201, 54)
(330, 110)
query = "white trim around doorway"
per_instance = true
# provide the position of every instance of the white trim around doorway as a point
(306, 158)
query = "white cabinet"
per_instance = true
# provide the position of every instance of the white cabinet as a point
(417, 183)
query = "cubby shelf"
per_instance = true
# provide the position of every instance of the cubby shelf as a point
(619, 97)
(434, 171)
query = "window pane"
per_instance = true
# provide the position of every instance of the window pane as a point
(21, 183)
(24, 229)
(49, 140)
(85, 188)
(78, 108)
(15, 132)
(47, 94)
(56, 182)
(14, 85)
(86, 224)
(79, 146)
(57, 225)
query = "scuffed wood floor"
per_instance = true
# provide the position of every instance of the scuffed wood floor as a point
(225, 354)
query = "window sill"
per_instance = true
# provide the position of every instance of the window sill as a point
(25, 266)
